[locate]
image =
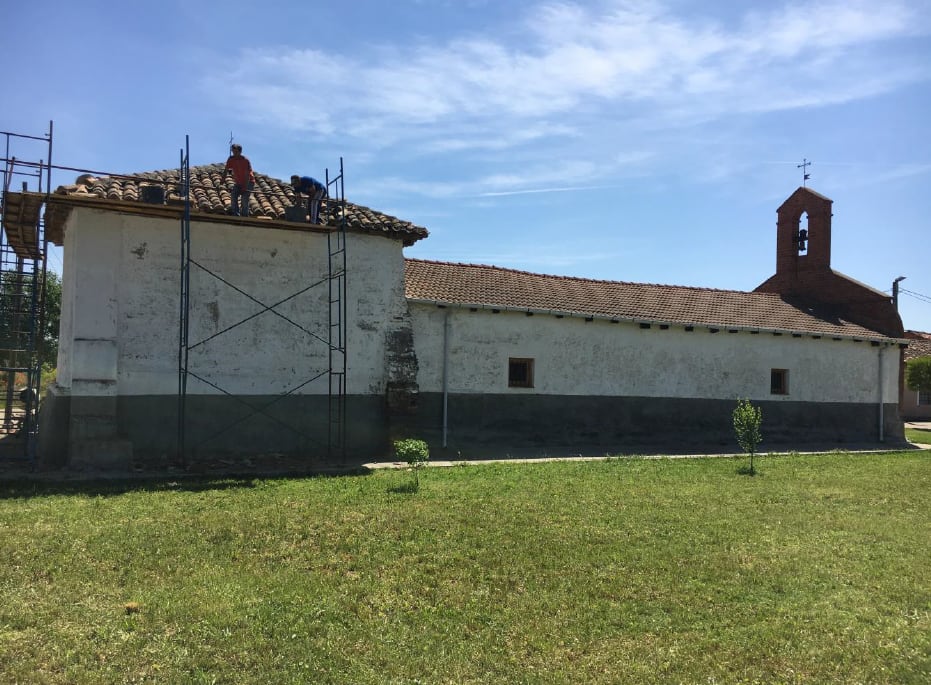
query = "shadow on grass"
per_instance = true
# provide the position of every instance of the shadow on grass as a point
(111, 487)
(179, 482)
(407, 488)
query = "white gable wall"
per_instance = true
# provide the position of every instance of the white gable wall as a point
(261, 385)
(121, 306)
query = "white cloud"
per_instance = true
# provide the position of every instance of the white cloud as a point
(533, 191)
(620, 70)
(480, 138)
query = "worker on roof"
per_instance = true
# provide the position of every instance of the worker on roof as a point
(315, 192)
(243, 180)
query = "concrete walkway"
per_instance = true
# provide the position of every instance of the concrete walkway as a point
(872, 449)
(17, 469)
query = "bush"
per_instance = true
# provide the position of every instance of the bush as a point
(49, 376)
(918, 373)
(415, 452)
(747, 422)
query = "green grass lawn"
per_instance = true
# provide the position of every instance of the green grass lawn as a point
(916, 435)
(818, 570)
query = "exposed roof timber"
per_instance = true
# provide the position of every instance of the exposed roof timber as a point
(21, 222)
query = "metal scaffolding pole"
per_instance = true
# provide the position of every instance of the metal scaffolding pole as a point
(185, 309)
(23, 282)
(190, 441)
(338, 358)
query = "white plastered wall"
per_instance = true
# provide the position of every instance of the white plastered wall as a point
(599, 358)
(121, 306)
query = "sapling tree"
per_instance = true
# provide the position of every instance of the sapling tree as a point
(747, 422)
(416, 453)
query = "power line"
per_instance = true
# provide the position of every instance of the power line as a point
(149, 177)
(917, 296)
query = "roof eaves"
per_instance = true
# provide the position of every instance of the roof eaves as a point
(654, 321)
(62, 204)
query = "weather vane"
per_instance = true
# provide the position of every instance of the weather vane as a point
(804, 167)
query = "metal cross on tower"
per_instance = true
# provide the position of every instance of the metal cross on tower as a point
(804, 167)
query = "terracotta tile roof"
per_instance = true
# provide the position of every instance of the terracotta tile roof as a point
(495, 287)
(919, 344)
(210, 194)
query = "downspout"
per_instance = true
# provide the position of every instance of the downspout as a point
(445, 374)
(881, 418)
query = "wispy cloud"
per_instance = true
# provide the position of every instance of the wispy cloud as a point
(531, 191)
(903, 171)
(621, 70)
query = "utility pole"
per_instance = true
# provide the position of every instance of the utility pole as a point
(895, 292)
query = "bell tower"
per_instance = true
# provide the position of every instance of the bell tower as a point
(803, 234)
(803, 268)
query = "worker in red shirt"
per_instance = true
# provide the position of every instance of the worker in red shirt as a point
(243, 180)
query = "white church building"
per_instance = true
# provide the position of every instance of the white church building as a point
(270, 348)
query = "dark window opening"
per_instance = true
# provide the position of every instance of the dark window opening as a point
(924, 397)
(802, 236)
(779, 382)
(520, 373)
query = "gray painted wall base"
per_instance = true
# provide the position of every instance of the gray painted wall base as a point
(216, 427)
(478, 426)
(527, 425)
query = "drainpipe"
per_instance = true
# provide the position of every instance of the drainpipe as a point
(445, 373)
(880, 350)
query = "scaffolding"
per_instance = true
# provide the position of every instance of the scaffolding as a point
(190, 443)
(23, 254)
(24, 341)
(336, 280)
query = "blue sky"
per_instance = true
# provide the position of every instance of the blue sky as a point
(635, 140)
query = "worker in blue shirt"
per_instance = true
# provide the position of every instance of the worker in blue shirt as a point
(314, 190)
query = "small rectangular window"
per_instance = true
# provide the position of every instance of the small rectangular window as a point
(779, 382)
(520, 373)
(924, 397)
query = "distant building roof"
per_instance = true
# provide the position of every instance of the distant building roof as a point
(919, 344)
(210, 194)
(492, 287)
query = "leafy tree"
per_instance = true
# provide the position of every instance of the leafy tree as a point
(747, 422)
(48, 342)
(918, 373)
(16, 307)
